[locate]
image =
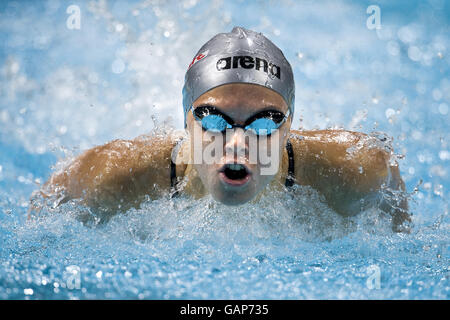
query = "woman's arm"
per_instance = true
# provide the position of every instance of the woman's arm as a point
(115, 176)
(352, 170)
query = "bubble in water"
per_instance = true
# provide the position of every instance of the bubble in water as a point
(393, 48)
(443, 108)
(119, 27)
(407, 34)
(118, 66)
(437, 94)
(443, 155)
(28, 291)
(389, 112)
(414, 53)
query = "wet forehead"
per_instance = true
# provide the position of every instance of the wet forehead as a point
(240, 100)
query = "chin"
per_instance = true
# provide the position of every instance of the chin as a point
(233, 197)
(232, 201)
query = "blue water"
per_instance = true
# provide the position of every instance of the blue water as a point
(120, 75)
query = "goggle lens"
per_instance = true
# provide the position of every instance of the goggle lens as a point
(262, 126)
(214, 123)
(217, 123)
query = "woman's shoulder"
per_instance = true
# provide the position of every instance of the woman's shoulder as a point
(325, 135)
(160, 142)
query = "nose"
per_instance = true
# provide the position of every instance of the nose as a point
(235, 144)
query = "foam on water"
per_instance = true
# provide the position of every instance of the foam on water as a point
(179, 248)
(63, 91)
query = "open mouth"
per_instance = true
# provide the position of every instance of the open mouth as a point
(235, 174)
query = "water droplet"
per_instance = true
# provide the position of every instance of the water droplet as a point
(119, 27)
(28, 291)
(414, 53)
(389, 112)
(443, 108)
(118, 66)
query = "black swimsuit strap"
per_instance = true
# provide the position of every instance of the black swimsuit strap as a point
(290, 179)
(173, 174)
(173, 168)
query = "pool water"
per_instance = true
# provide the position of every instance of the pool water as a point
(120, 75)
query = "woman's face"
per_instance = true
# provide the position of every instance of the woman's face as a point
(235, 166)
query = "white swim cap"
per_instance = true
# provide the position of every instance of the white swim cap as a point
(241, 56)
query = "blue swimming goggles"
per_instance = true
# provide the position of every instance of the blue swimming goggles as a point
(261, 123)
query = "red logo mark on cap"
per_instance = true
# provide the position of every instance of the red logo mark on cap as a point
(199, 57)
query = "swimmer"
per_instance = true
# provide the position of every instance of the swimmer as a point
(238, 88)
